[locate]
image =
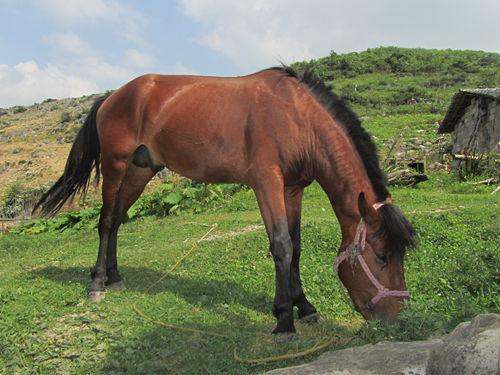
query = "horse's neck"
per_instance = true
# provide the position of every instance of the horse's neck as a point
(342, 175)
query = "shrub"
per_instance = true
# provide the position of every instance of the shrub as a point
(409, 94)
(19, 200)
(19, 109)
(65, 117)
(170, 198)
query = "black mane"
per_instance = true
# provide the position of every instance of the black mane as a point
(395, 227)
(348, 119)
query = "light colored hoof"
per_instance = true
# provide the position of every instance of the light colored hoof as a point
(96, 296)
(311, 318)
(116, 287)
(285, 337)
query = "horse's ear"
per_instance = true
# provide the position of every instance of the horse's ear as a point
(368, 213)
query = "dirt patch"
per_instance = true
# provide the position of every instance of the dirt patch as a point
(230, 234)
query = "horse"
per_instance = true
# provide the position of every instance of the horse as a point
(277, 131)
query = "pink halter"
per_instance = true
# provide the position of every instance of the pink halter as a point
(355, 250)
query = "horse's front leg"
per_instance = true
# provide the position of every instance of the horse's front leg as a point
(293, 201)
(270, 196)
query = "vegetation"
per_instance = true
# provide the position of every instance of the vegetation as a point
(173, 196)
(394, 90)
(18, 200)
(19, 109)
(406, 90)
(227, 285)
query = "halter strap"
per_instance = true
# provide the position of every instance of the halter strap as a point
(354, 252)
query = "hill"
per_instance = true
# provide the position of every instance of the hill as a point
(35, 140)
(397, 92)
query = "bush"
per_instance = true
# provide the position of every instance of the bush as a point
(170, 198)
(65, 117)
(19, 109)
(18, 200)
(408, 95)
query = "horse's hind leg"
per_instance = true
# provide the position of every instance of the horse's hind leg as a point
(113, 172)
(123, 182)
(132, 187)
(293, 201)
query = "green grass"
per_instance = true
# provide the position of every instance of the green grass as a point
(227, 286)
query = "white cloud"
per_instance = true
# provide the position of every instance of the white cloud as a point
(68, 42)
(255, 34)
(138, 59)
(26, 82)
(129, 21)
(79, 71)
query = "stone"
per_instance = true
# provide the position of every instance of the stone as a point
(472, 348)
(383, 358)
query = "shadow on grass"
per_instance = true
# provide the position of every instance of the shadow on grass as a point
(154, 349)
(161, 350)
(206, 292)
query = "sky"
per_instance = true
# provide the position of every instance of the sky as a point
(63, 48)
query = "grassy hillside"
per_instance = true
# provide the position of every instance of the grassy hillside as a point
(227, 287)
(35, 140)
(404, 90)
(394, 90)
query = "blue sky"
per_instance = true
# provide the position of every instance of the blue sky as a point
(61, 48)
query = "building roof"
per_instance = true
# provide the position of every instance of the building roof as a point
(459, 104)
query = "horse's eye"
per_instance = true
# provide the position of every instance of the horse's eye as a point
(382, 258)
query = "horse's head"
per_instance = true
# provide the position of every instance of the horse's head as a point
(371, 266)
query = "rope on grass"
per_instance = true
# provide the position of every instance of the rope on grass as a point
(172, 326)
(320, 345)
(172, 269)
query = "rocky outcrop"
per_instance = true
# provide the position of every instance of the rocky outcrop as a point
(472, 348)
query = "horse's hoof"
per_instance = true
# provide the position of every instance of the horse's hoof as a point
(285, 337)
(96, 296)
(311, 318)
(116, 286)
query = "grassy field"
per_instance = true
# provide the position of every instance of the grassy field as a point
(227, 286)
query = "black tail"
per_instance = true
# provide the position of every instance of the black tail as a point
(83, 158)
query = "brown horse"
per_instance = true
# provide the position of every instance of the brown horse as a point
(276, 131)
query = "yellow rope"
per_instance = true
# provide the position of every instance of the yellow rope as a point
(172, 269)
(320, 345)
(178, 328)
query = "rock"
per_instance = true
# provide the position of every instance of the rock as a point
(405, 177)
(472, 348)
(380, 359)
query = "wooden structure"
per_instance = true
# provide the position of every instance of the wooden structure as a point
(474, 120)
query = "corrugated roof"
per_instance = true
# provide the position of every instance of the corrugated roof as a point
(460, 102)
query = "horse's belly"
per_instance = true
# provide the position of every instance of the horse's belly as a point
(203, 160)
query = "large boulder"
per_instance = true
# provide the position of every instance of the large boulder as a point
(383, 358)
(473, 348)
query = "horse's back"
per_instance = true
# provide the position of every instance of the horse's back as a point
(212, 129)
